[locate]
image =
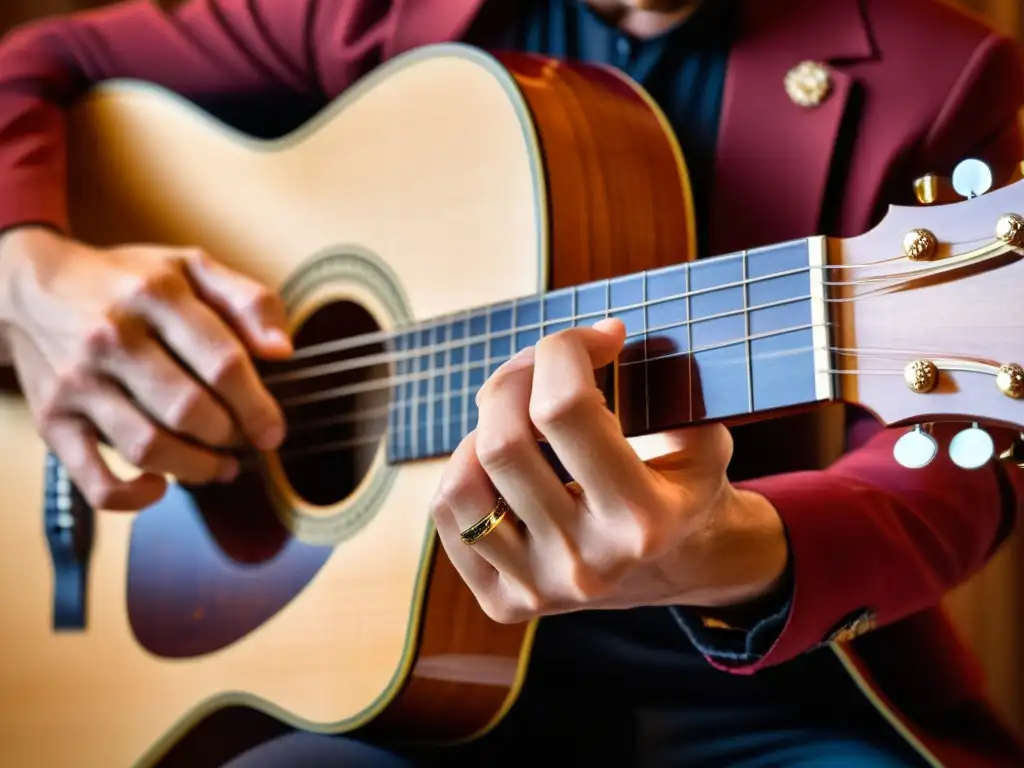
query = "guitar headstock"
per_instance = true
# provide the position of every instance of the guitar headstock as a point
(927, 314)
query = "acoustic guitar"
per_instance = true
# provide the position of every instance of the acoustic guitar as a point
(449, 210)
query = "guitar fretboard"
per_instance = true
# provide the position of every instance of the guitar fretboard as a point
(707, 340)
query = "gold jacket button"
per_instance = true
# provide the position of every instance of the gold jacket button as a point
(808, 84)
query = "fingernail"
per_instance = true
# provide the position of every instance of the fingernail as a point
(229, 471)
(277, 336)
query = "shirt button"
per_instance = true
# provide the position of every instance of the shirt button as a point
(623, 47)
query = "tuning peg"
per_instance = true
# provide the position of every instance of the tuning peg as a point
(972, 178)
(916, 449)
(927, 189)
(972, 448)
(1015, 453)
(933, 189)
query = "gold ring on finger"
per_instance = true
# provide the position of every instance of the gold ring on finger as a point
(487, 523)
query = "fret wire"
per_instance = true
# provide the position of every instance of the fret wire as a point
(647, 385)
(446, 390)
(464, 389)
(431, 340)
(416, 403)
(575, 305)
(747, 348)
(514, 342)
(393, 403)
(542, 309)
(488, 335)
(402, 366)
(689, 341)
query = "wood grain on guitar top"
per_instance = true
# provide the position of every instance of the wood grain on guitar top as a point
(206, 603)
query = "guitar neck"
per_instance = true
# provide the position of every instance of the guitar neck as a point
(734, 337)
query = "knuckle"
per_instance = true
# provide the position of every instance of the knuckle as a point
(71, 381)
(142, 448)
(450, 494)
(48, 414)
(100, 341)
(496, 449)
(501, 609)
(163, 282)
(562, 407)
(582, 584)
(185, 407)
(101, 493)
(228, 367)
(194, 256)
(644, 540)
(508, 601)
(264, 302)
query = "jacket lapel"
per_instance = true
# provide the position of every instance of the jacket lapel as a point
(774, 156)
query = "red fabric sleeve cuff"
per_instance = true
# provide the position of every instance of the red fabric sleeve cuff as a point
(32, 188)
(854, 560)
(33, 204)
(833, 586)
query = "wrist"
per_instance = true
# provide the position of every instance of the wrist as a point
(16, 245)
(743, 556)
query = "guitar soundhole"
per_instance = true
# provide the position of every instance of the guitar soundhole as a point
(335, 397)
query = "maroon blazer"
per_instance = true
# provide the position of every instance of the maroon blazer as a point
(916, 87)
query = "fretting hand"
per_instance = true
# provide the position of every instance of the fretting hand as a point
(627, 532)
(148, 346)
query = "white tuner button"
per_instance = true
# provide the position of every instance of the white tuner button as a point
(972, 448)
(916, 449)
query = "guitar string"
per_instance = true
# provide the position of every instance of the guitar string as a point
(385, 382)
(368, 415)
(428, 351)
(377, 383)
(336, 445)
(384, 335)
(348, 364)
(464, 316)
(457, 421)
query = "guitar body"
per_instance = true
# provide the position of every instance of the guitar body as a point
(313, 591)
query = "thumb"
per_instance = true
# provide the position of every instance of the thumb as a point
(705, 447)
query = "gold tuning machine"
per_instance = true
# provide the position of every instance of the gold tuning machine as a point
(971, 178)
(933, 189)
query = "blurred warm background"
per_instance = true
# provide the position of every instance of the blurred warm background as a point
(990, 610)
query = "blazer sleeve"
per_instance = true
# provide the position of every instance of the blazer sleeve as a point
(872, 543)
(204, 49)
